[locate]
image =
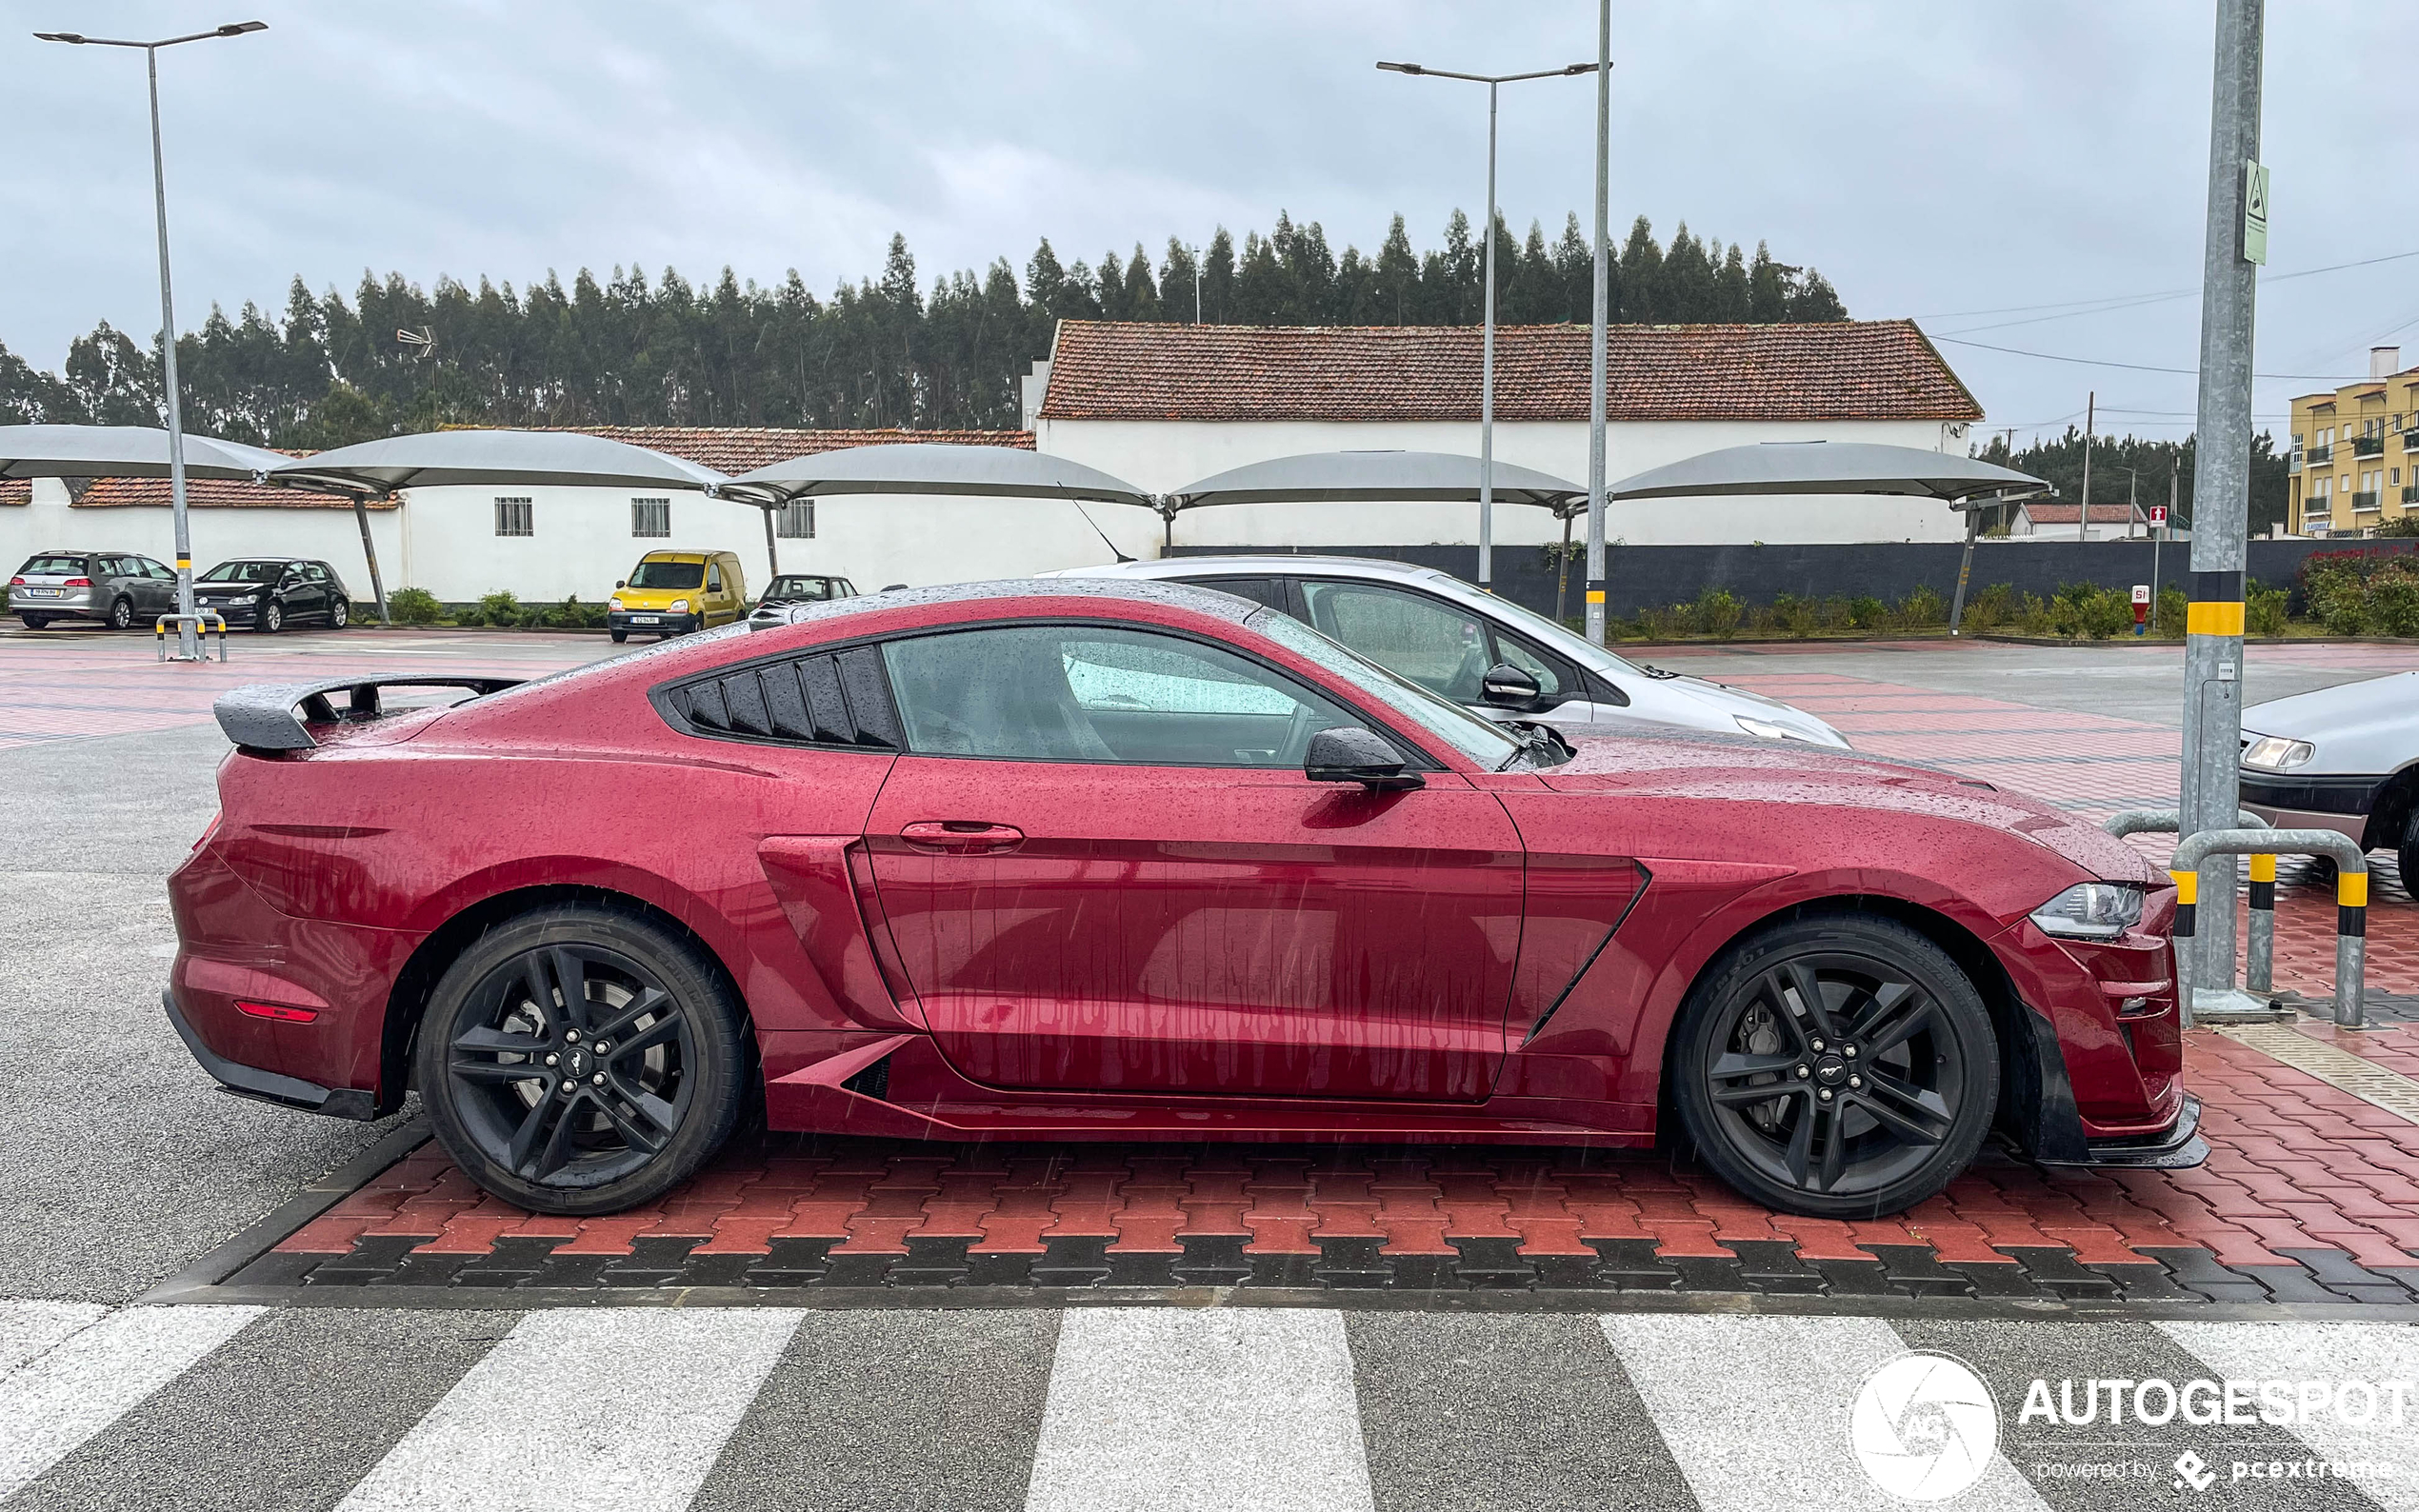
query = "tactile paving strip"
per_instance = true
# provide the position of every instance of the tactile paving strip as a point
(2366, 1080)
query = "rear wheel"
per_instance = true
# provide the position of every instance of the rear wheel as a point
(1840, 1068)
(339, 614)
(581, 1059)
(34, 622)
(122, 615)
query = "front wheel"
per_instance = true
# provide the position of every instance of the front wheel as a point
(1839, 1068)
(620, 637)
(581, 1059)
(273, 617)
(34, 622)
(2407, 857)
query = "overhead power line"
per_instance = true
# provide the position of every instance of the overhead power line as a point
(2120, 300)
(2139, 367)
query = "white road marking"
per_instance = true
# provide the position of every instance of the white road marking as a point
(31, 1329)
(95, 1375)
(1166, 1408)
(2329, 1353)
(618, 1409)
(1756, 1409)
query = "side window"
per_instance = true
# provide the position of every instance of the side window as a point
(1441, 648)
(824, 700)
(1101, 694)
(714, 576)
(314, 573)
(158, 571)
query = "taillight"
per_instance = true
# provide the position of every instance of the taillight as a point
(207, 830)
(277, 1012)
(77, 583)
(17, 583)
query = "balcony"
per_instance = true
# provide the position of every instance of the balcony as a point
(2319, 456)
(2410, 441)
(2410, 494)
(2364, 503)
(2367, 446)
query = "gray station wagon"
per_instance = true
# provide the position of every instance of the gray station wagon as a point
(120, 588)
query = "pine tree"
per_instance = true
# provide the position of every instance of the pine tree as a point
(1731, 303)
(1641, 276)
(1395, 282)
(1217, 279)
(1179, 296)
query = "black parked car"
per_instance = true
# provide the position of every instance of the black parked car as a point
(119, 587)
(270, 592)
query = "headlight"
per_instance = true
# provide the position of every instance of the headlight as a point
(249, 598)
(2275, 753)
(2090, 910)
(1767, 728)
(613, 602)
(680, 606)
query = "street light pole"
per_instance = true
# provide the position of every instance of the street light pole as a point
(1600, 315)
(1486, 359)
(187, 629)
(1194, 253)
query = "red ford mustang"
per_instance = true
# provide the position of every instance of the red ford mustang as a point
(1124, 860)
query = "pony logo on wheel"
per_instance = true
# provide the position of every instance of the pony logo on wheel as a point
(1925, 1427)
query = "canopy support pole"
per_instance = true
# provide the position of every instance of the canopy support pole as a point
(772, 553)
(370, 551)
(1562, 566)
(1965, 568)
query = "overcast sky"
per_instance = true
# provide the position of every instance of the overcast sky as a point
(1930, 159)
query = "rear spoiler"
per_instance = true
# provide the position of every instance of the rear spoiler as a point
(264, 715)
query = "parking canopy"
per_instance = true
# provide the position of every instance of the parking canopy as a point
(1829, 466)
(123, 452)
(492, 459)
(934, 468)
(1377, 477)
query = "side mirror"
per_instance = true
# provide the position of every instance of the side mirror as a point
(620, 583)
(1351, 754)
(1507, 687)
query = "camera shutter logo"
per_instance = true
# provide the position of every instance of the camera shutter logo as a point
(1925, 1427)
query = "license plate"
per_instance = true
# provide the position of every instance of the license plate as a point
(644, 619)
(42, 593)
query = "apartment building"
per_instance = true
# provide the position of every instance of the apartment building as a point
(2355, 457)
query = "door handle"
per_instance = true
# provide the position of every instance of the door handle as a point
(961, 837)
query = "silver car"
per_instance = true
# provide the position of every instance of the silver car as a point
(2344, 758)
(119, 588)
(1478, 650)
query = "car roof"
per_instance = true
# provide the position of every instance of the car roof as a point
(1130, 590)
(1284, 563)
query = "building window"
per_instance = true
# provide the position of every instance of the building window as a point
(512, 517)
(796, 521)
(651, 517)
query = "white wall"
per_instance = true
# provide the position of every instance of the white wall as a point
(1162, 456)
(50, 524)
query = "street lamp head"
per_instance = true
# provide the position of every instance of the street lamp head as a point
(1402, 68)
(59, 36)
(236, 28)
(1581, 68)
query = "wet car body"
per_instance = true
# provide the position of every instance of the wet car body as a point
(940, 944)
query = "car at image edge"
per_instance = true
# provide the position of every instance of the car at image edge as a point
(1449, 636)
(1123, 860)
(2342, 758)
(123, 589)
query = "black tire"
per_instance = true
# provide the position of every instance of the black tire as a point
(122, 615)
(1891, 1001)
(595, 1133)
(339, 615)
(2407, 857)
(620, 637)
(34, 622)
(272, 618)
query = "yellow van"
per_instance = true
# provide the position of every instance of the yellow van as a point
(673, 593)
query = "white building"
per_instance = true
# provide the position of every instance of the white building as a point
(1163, 405)
(1159, 405)
(2050, 520)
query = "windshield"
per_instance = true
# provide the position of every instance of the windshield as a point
(668, 575)
(52, 567)
(1556, 635)
(1480, 739)
(245, 572)
(803, 587)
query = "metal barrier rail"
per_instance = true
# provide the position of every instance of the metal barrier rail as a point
(2259, 943)
(203, 621)
(2351, 894)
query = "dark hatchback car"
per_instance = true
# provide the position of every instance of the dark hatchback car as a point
(117, 588)
(799, 588)
(270, 592)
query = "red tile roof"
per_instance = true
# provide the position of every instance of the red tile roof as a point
(735, 450)
(206, 493)
(1877, 369)
(2064, 514)
(15, 490)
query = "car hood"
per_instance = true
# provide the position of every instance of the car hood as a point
(2381, 705)
(1650, 761)
(1730, 700)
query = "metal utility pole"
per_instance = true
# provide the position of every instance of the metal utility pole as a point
(1494, 83)
(1600, 315)
(1195, 254)
(2236, 242)
(187, 630)
(2083, 519)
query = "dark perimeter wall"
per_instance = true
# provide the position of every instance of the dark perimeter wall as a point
(1643, 575)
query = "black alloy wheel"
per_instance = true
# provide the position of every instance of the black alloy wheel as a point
(339, 614)
(1837, 1067)
(273, 617)
(581, 1059)
(122, 615)
(34, 622)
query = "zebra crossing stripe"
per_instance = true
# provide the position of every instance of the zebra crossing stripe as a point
(617, 1410)
(91, 1376)
(31, 1329)
(1755, 1409)
(2332, 1354)
(1167, 1410)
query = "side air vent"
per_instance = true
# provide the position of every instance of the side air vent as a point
(873, 1082)
(841, 699)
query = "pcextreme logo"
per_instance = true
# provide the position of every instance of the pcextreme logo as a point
(1925, 1427)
